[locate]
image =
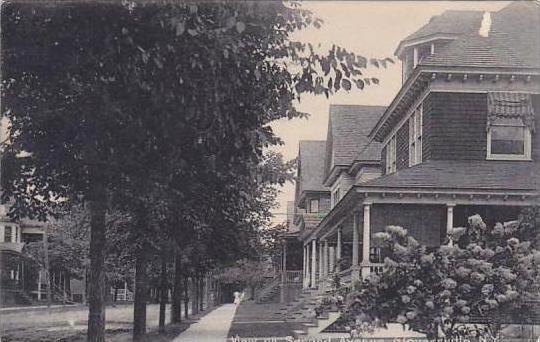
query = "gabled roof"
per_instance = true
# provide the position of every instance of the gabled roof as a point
(450, 22)
(513, 40)
(348, 129)
(311, 166)
(463, 175)
(370, 153)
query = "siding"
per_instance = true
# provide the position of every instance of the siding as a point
(402, 147)
(456, 126)
(427, 109)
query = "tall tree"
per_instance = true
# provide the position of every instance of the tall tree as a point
(96, 93)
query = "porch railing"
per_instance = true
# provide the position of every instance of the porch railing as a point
(123, 295)
(293, 277)
(376, 267)
(345, 275)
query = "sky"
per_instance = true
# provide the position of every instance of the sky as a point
(372, 29)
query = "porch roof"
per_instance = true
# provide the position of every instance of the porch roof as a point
(462, 175)
(449, 178)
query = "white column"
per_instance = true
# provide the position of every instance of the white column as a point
(304, 267)
(313, 263)
(338, 247)
(355, 274)
(284, 263)
(449, 219)
(321, 261)
(332, 261)
(326, 259)
(39, 285)
(366, 237)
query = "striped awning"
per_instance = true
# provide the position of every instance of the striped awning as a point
(505, 105)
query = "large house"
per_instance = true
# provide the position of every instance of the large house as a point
(459, 138)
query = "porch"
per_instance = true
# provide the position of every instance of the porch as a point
(343, 243)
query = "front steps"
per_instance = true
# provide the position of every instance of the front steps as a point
(302, 311)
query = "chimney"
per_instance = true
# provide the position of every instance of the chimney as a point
(485, 26)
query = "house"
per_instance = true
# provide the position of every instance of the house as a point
(459, 138)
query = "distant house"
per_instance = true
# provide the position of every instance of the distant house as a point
(459, 138)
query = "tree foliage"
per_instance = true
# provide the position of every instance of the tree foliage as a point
(484, 274)
(160, 110)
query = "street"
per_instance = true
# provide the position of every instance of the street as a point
(42, 324)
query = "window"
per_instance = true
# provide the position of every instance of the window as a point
(7, 234)
(314, 206)
(509, 139)
(336, 196)
(422, 52)
(415, 137)
(391, 155)
(509, 124)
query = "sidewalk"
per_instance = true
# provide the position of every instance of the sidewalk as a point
(213, 327)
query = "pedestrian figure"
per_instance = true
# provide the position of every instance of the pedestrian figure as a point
(236, 297)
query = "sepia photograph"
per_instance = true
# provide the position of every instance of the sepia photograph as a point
(269, 171)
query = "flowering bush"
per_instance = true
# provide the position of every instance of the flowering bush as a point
(482, 273)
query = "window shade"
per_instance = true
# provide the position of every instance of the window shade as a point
(503, 106)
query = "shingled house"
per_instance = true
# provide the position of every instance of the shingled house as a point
(459, 138)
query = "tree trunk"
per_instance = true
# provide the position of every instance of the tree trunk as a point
(194, 294)
(163, 294)
(186, 296)
(96, 281)
(141, 288)
(201, 293)
(176, 305)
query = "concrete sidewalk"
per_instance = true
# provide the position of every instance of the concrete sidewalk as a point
(213, 327)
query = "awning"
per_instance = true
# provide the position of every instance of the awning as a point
(505, 105)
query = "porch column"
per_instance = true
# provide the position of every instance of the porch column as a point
(284, 263)
(39, 285)
(326, 259)
(313, 263)
(355, 274)
(304, 267)
(332, 261)
(338, 248)
(307, 276)
(449, 220)
(321, 261)
(366, 240)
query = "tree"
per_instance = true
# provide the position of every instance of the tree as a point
(94, 106)
(484, 274)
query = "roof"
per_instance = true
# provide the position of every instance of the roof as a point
(348, 129)
(311, 166)
(513, 40)
(449, 22)
(372, 152)
(454, 174)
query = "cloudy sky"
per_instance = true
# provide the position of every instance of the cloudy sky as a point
(370, 29)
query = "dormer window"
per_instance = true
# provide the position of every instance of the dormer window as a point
(314, 206)
(422, 51)
(509, 126)
(414, 55)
